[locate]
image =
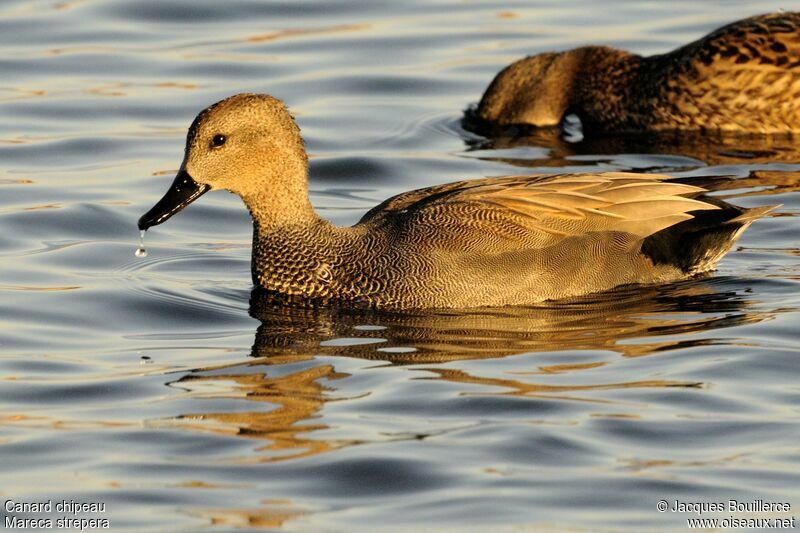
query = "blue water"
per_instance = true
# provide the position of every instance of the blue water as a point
(156, 386)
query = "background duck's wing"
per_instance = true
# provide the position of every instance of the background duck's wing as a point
(499, 214)
(760, 41)
(743, 75)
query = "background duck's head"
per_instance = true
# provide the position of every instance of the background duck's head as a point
(535, 91)
(247, 144)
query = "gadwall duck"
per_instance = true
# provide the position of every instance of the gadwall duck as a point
(743, 77)
(494, 241)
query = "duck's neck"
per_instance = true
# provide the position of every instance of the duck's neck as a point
(281, 198)
(291, 243)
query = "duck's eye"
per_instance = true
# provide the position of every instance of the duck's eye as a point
(218, 140)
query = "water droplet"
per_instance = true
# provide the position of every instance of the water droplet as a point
(140, 251)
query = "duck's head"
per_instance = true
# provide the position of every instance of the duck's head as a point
(535, 91)
(247, 144)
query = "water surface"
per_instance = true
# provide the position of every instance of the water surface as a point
(162, 387)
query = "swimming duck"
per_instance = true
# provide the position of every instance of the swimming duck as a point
(495, 241)
(743, 77)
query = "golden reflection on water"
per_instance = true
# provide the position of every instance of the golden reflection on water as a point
(38, 289)
(177, 85)
(114, 89)
(520, 388)
(641, 465)
(302, 32)
(19, 93)
(66, 50)
(42, 421)
(273, 514)
(506, 15)
(297, 397)
(289, 387)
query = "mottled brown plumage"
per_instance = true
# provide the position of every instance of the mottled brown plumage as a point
(742, 77)
(494, 241)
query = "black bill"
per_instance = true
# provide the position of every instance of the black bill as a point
(183, 191)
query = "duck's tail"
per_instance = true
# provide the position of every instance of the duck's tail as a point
(696, 245)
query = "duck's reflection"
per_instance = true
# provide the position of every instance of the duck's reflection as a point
(288, 382)
(549, 147)
(756, 183)
(594, 322)
(295, 397)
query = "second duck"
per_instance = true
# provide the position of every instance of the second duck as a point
(743, 77)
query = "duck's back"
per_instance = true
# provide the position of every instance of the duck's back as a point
(743, 76)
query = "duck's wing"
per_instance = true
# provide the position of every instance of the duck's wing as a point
(763, 41)
(745, 75)
(414, 200)
(538, 211)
